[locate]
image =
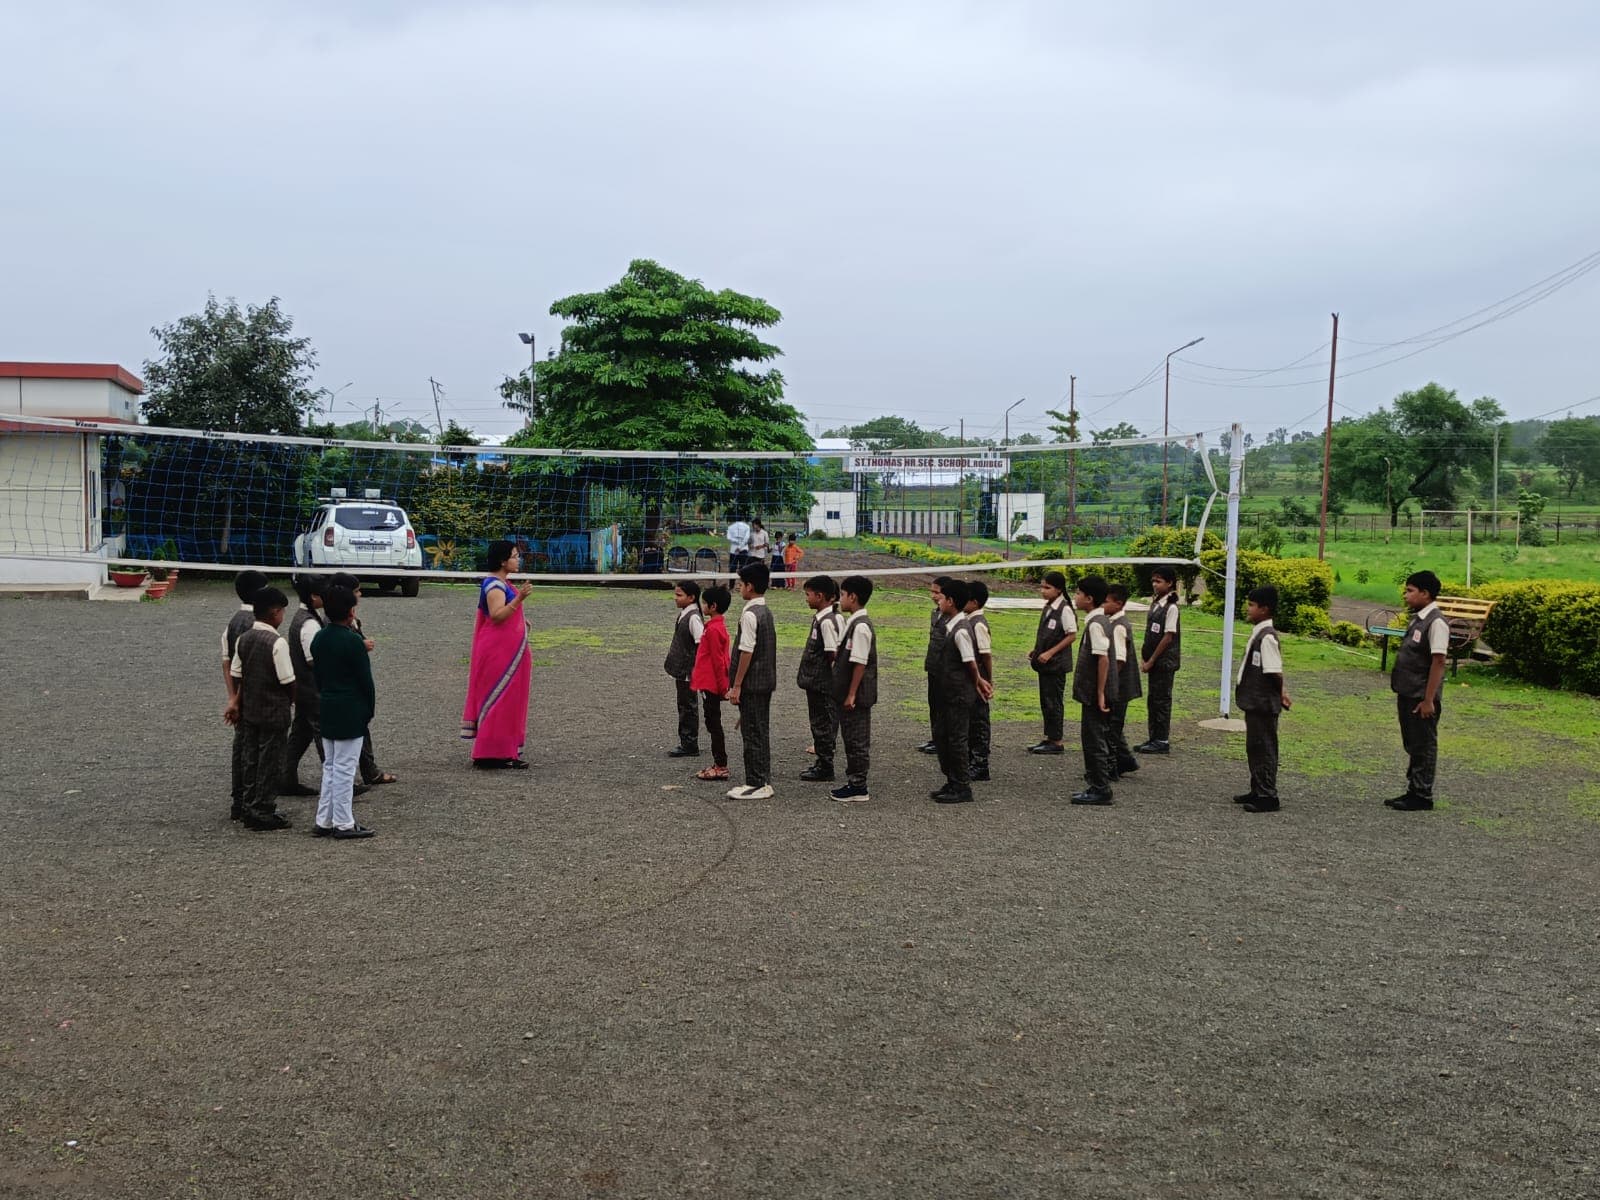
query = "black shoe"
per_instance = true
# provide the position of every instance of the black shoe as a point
(1247, 798)
(1262, 805)
(236, 813)
(357, 831)
(1412, 804)
(1153, 748)
(1096, 796)
(360, 789)
(978, 774)
(929, 747)
(489, 764)
(1114, 776)
(1047, 748)
(1128, 767)
(1397, 801)
(684, 752)
(296, 789)
(939, 791)
(265, 824)
(817, 774)
(518, 764)
(322, 831)
(953, 796)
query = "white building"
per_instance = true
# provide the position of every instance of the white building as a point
(51, 493)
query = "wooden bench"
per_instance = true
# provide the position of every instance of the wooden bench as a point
(1466, 617)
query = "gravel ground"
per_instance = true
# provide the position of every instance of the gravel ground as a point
(603, 979)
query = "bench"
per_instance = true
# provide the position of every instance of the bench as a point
(1466, 617)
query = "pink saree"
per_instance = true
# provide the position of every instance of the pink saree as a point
(495, 716)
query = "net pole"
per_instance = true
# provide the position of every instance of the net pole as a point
(1235, 471)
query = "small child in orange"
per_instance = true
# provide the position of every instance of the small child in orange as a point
(792, 554)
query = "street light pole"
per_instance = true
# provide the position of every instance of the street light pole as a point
(1007, 492)
(529, 341)
(1166, 424)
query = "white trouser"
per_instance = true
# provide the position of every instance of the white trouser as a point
(340, 759)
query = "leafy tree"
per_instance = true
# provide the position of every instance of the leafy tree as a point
(892, 433)
(1572, 447)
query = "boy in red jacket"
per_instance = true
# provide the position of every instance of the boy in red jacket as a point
(710, 676)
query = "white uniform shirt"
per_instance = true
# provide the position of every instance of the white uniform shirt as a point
(1267, 655)
(829, 622)
(747, 623)
(981, 635)
(1119, 641)
(1099, 642)
(226, 653)
(281, 662)
(697, 623)
(308, 633)
(1164, 621)
(961, 633)
(738, 536)
(1438, 632)
(1065, 615)
(860, 640)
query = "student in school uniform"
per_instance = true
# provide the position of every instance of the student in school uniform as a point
(710, 676)
(855, 687)
(371, 774)
(978, 734)
(1128, 674)
(1418, 684)
(245, 585)
(792, 554)
(264, 695)
(1051, 657)
(1261, 696)
(755, 677)
(687, 630)
(960, 686)
(936, 635)
(349, 701)
(1160, 659)
(303, 734)
(1094, 687)
(815, 674)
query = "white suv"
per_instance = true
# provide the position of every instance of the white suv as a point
(370, 532)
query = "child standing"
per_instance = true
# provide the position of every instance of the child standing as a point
(1094, 687)
(815, 675)
(978, 732)
(1126, 664)
(371, 774)
(1051, 657)
(960, 685)
(245, 585)
(1160, 658)
(754, 680)
(304, 733)
(855, 688)
(687, 631)
(260, 709)
(344, 677)
(936, 635)
(1418, 684)
(792, 554)
(1261, 697)
(710, 675)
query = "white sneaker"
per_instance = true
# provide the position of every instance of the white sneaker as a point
(739, 792)
(764, 792)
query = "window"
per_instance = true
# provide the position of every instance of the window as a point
(362, 518)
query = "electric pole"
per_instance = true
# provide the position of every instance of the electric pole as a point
(434, 383)
(1072, 461)
(1327, 440)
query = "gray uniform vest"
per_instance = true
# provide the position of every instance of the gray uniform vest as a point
(1257, 691)
(763, 673)
(238, 625)
(843, 668)
(950, 671)
(1061, 663)
(936, 632)
(1129, 685)
(1170, 660)
(262, 699)
(680, 655)
(973, 621)
(305, 679)
(815, 673)
(1086, 678)
(1415, 660)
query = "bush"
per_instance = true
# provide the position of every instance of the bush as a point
(1302, 583)
(817, 535)
(1348, 633)
(1546, 633)
(1164, 541)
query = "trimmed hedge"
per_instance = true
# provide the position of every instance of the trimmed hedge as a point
(1305, 588)
(1165, 541)
(1546, 632)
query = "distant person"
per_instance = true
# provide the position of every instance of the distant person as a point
(738, 545)
(304, 732)
(260, 708)
(1160, 658)
(855, 688)
(979, 733)
(936, 635)
(1261, 696)
(815, 674)
(495, 716)
(1126, 664)
(1094, 687)
(710, 676)
(755, 678)
(792, 554)
(687, 630)
(349, 702)
(1418, 684)
(760, 544)
(1051, 658)
(245, 585)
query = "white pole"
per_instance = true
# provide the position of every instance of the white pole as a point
(1469, 549)
(1235, 470)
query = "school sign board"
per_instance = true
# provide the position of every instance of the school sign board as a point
(915, 464)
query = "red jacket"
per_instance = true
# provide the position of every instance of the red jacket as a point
(711, 659)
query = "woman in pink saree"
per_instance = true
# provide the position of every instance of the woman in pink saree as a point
(495, 717)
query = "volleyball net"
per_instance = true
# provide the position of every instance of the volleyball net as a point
(86, 490)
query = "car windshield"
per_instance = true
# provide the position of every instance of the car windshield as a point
(352, 517)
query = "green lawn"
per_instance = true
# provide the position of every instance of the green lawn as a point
(1386, 565)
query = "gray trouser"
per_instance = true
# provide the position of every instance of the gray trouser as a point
(824, 720)
(1094, 730)
(934, 702)
(1052, 703)
(978, 732)
(855, 729)
(236, 775)
(1117, 736)
(688, 716)
(303, 734)
(262, 766)
(950, 735)
(1261, 751)
(1158, 704)
(755, 723)
(1421, 739)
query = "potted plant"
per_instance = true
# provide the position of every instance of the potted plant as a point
(165, 553)
(125, 576)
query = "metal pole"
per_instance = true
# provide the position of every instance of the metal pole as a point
(1072, 462)
(1235, 470)
(1495, 519)
(1469, 548)
(1166, 424)
(1327, 441)
(533, 369)
(1007, 493)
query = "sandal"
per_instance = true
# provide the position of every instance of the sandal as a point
(384, 777)
(712, 774)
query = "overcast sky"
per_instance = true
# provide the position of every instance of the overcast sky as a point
(955, 205)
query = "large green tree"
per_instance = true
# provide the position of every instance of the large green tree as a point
(1422, 448)
(892, 433)
(1572, 447)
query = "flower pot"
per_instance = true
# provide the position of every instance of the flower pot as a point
(127, 579)
(157, 589)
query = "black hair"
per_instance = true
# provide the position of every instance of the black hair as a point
(307, 586)
(823, 585)
(1094, 587)
(1165, 572)
(339, 602)
(345, 580)
(1117, 591)
(1424, 581)
(1056, 580)
(858, 586)
(718, 597)
(498, 552)
(758, 575)
(247, 583)
(978, 590)
(1267, 596)
(690, 589)
(956, 592)
(943, 580)
(266, 599)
